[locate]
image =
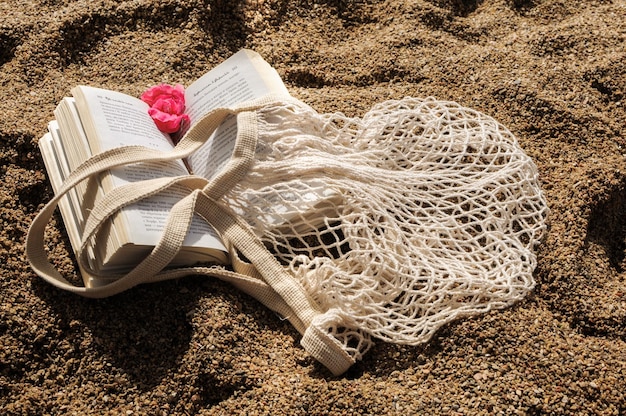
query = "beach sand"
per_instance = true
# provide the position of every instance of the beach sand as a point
(552, 71)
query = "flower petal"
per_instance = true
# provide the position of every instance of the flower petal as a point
(167, 123)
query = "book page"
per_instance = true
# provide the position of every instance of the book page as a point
(242, 77)
(57, 172)
(66, 165)
(112, 119)
(75, 143)
(74, 147)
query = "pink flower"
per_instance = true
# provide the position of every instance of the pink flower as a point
(167, 106)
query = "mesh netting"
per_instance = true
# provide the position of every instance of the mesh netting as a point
(399, 222)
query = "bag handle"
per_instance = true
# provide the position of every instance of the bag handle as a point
(265, 279)
(193, 139)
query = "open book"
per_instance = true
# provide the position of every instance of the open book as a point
(94, 120)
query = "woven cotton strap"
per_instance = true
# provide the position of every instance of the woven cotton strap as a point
(264, 279)
(197, 135)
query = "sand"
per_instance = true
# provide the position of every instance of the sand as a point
(552, 71)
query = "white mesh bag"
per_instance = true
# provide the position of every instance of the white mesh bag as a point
(383, 227)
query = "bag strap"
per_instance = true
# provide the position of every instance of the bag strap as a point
(101, 162)
(302, 311)
(266, 279)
